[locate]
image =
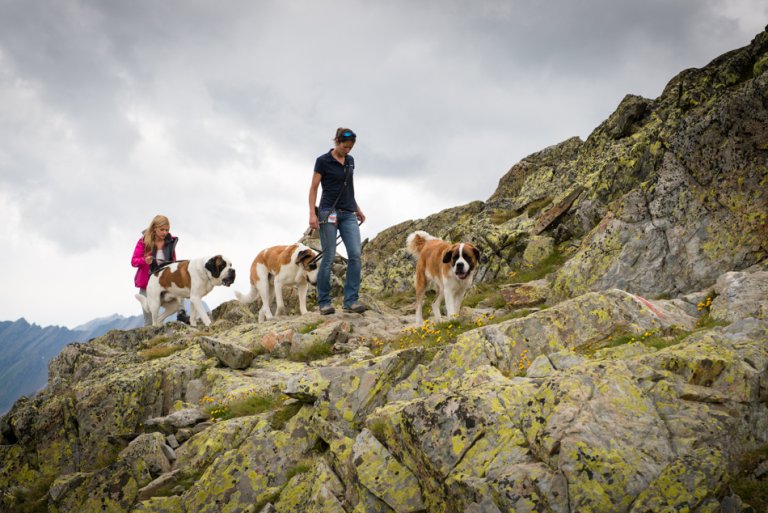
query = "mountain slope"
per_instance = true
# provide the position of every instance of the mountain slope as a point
(661, 198)
(26, 349)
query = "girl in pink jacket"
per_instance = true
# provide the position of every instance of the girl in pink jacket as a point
(154, 249)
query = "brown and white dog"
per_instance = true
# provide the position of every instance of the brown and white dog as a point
(186, 278)
(277, 267)
(450, 267)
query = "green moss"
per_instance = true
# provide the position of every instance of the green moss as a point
(620, 340)
(548, 265)
(705, 320)
(502, 216)
(486, 293)
(269, 498)
(429, 335)
(378, 428)
(657, 339)
(761, 65)
(316, 351)
(398, 299)
(32, 499)
(243, 405)
(281, 417)
(752, 490)
(308, 328)
(106, 456)
(300, 468)
(153, 353)
(188, 478)
(535, 206)
(156, 341)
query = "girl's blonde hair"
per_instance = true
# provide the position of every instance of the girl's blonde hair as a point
(149, 233)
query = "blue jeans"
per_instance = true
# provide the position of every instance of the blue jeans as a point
(350, 235)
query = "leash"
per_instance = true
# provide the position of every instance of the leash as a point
(166, 264)
(320, 253)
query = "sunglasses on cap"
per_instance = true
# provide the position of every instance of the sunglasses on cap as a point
(347, 135)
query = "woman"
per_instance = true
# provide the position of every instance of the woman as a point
(338, 212)
(155, 247)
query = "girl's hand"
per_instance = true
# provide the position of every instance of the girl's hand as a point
(360, 216)
(148, 259)
(313, 222)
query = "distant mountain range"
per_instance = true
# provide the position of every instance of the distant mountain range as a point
(26, 349)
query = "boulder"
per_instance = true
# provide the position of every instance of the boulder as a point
(228, 353)
(384, 476)
(519, 295)
(538, 248)
(741, 295)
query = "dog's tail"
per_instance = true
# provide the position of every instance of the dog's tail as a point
(248, 298)
(143, 302)
(416, 240)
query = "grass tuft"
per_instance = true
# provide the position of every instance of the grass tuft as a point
(153, 353)
(308, 328)
(241, 405)
(745, 484)
(315, 351)
(429, 335)
(33, 499)
(547, 266)
(300, 468)
(486, 293)
(281, 417)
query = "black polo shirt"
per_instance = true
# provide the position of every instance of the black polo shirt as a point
(332, 179)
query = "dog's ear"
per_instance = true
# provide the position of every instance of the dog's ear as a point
(447, 256)
(478, 255)
(215, 265)
(303, 254)
(221, 262)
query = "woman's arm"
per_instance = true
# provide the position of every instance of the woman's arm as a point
(138, 258)
(313, 222)
(359, 214)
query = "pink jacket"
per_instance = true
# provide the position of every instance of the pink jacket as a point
(142, 273)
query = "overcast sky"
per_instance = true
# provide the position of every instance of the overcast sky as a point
(213, 112)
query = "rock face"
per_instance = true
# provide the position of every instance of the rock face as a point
(628, 373)
(661, 199)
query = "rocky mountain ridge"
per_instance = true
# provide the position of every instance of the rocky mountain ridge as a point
(613, 356)
(26, 349)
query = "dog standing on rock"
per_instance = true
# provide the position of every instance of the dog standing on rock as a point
(450, 267)
(191, 279)
(276, 267)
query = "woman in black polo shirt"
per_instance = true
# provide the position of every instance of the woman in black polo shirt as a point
(338, 212)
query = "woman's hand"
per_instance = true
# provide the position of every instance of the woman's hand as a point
(313, 222)
(360, 216)
(148, 259)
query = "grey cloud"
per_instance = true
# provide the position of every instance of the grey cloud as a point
(436, 89)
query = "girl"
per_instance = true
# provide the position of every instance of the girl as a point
(155, 247)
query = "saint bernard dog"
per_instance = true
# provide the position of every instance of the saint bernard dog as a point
(450, 267)
(277, 267)
(191, 279)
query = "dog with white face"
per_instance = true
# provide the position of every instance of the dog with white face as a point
(191, 279)
(277, 267)
(451, 268)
